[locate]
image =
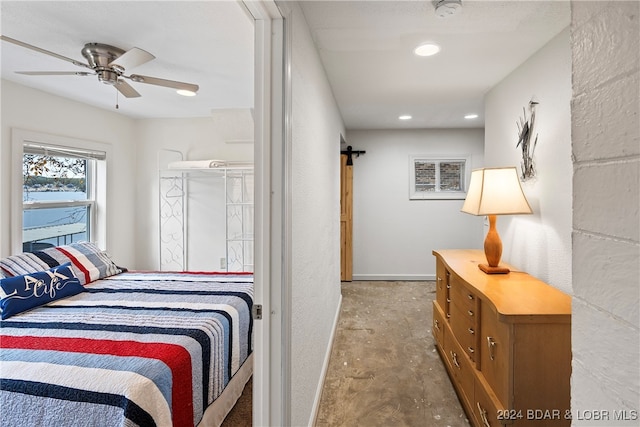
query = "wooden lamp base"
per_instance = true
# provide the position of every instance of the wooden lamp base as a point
(493, 270)
(493, 250)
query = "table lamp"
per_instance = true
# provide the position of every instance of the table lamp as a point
(495, 191)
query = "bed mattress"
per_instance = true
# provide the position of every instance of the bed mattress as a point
(134, 349)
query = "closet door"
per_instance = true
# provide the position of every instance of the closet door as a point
(346, 219)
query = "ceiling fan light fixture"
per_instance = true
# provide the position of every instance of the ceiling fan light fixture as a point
(405, 117)
(427, 49)
(471, 116)
(185, 92)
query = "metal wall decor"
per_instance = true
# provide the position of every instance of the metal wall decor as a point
(527, 142)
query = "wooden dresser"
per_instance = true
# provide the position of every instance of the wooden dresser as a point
(505, 340)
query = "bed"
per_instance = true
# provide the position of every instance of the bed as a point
(124, 348)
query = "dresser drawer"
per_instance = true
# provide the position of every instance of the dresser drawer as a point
(437, 328)
(461, 296)
(442, 287)
(461, 369)
(464, 327)
(495, 350)
(488, 411)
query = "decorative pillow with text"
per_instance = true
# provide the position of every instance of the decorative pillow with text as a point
(22, 293)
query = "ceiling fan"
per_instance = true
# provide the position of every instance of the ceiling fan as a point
(109, 64)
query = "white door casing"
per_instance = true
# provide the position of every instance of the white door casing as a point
(271, 379)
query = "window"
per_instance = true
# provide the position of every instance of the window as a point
(438, 177)
(61, 195)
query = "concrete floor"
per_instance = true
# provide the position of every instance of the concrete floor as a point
(384, 369)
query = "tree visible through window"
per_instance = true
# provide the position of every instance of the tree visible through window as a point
(57, 198)
(438, 178)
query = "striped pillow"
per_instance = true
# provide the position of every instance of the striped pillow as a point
(21, 264)
(89, 263)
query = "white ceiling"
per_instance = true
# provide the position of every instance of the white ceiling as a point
(209, 43)
(366, 48)
(367, 51)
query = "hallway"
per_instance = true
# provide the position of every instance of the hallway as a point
(384, 368)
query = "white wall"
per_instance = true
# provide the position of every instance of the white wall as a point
(393, 237)
(132, 218)
(540, 243)
(37, 111)
(315, 218)
(213, 137)
(606, 221)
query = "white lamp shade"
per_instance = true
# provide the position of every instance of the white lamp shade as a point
(495, 191)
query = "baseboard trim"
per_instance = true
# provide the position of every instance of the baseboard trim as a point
(325, 366)
(393, 277)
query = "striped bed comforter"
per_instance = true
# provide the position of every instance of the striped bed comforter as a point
(134, 349)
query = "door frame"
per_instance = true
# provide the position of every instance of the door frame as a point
(272, 157)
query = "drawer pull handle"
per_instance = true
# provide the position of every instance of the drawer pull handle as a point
(448, 299)
(471, 331)
(470, 313)
(439, 279)
(471, 350)
(483, 416)
(448, 286)
(436, 325)
(492, 344)
(454, 358)
(470, 296)
(448, 315)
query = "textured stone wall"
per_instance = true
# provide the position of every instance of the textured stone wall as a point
(606, 221)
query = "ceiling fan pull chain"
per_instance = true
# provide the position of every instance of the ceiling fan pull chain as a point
(117, 106)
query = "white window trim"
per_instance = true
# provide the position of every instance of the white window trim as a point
(437, 194)
(46, 204)
(20, 137)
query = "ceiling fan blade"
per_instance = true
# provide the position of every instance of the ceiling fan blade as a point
(163, 82)
(46, 52)
(56, 73)
(132, 58)
(126, 89)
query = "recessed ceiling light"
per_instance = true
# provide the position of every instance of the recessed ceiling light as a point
(471, 116)
(405, 117)
(427, 49)
(184, 92)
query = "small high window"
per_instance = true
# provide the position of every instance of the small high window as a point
(438, 178)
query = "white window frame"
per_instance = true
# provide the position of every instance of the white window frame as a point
(438, 194)
(97, 175)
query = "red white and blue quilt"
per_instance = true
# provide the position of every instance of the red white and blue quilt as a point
(135, 349)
